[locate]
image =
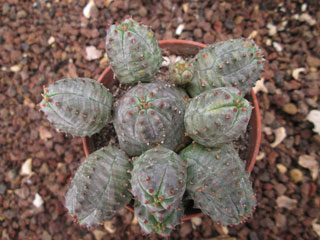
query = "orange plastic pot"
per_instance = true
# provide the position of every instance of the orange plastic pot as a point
(184, 47)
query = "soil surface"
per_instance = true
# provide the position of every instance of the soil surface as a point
(43, 41)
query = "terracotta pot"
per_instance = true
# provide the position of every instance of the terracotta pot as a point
(182, 47)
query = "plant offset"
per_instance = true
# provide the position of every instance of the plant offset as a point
(152, 120)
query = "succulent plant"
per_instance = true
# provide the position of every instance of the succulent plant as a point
(148, 115)
(218, 183)
(159, 179)
(217, 116)
(133, 52)
(78, 106)
(161, 223)
(181, 72)
(100, 187)
(150, 120)
(235, 62)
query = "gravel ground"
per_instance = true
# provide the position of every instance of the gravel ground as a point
(42, 41)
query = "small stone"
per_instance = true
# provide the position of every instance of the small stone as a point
(104, 62)
(45, 134)
(72, 69)
(281, 220)
(277, 46)
(314, 117)
(269, 117)
(313, 61)
(21, 14)
(15, 68)
(134, 221)
(316, 139)
(51, 40)
(290, 108)
(167, 4)
(282, 168)
(12, 91)
(92, 53)
(280, 189)
(217, 26)
(197, 33)
(98, 234)
(38, 201)
(267, 222)
(166, 62)
(11, 174)
(89, 9)
(311, 102)
(5, 8)
(261, 156)
(311, 92)
(281, 134)
(208, 13)
(238, 19)
(109, 227)
(23, 193)
(196, 221)
(253, 34)
(260, 87)
(44, 169)
(208, 38)
(296, 72)
(310, 163)
(185, 7)
(143, 11)
(316, 227)
(268, 42)
(179, 29)
(26, 168)
(295, 175)
(229, 24)
(264, 177)
(286, 202)
(272, 29)
(305, 17)
(45, 236)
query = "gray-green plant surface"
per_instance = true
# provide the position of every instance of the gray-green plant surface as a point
(161, 223)
(78, 106)
(181, 72)
(218, 183)
(100, 187)
(148, 115)
(234, 62)
(217, 116)
(133, 52)
(159, 179)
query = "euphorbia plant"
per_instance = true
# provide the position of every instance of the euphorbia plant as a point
(151, 122)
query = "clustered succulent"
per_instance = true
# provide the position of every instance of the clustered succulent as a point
(152, 120)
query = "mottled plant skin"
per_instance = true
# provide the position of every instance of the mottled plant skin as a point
(77, 106)
(159, 179)
(217, 116)
(219, 184)
(133, 52)
(235, 62)
(181, 72)
(149, 114)
(161, 223)
(100, 187)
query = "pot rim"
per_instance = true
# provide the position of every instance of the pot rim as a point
(255, 120)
